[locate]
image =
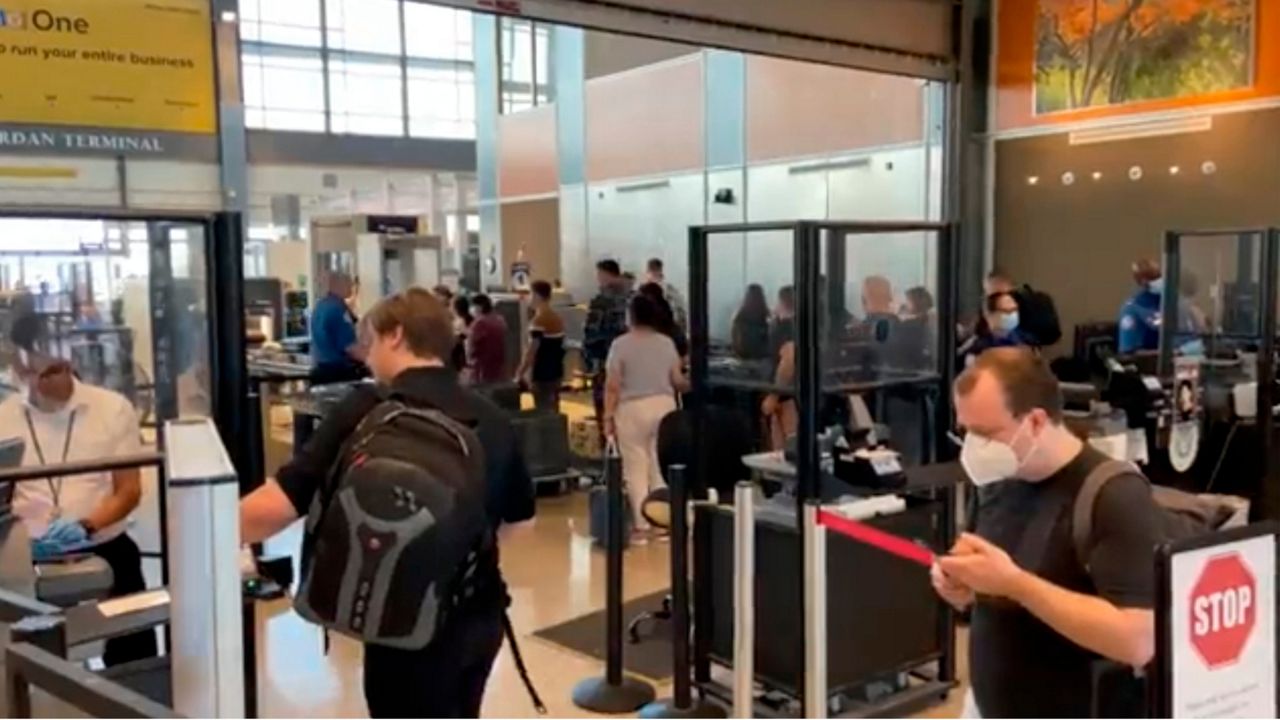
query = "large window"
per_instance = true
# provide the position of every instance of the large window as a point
(284, 90)
(365, 96)
(348, 66)
(526, 58)
(435, 32)
(368, 25)
(283, 22)
(442, 103)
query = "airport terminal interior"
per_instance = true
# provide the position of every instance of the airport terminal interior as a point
(823, 212)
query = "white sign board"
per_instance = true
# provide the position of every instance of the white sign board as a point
(1223, 620)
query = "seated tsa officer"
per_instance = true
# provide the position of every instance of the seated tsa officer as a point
(64, 420)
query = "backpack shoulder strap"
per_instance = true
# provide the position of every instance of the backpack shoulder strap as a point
(1087, 497)
(350, 444)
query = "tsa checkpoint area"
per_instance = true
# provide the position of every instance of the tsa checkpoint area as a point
(656, 358)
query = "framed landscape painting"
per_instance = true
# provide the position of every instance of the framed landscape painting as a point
(1092, 53)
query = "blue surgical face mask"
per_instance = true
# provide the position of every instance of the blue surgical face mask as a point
(1156, 286)
(1008, 322)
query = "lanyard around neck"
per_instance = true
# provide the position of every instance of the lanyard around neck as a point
(55, 489)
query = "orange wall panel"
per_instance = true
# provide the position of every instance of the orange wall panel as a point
(646, 121)
(1015, 71)
(527, 159)
(534, 227)
(795, 109)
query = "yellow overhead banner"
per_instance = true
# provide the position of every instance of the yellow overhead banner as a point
(140, 64)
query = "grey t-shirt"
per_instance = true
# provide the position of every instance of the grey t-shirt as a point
(642, 361)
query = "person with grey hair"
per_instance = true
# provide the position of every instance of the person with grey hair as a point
(335, 352)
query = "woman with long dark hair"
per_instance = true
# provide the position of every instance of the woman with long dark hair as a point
(667, 324)
(751, 325)
(644, 374)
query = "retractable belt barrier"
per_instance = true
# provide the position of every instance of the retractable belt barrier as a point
(744, 599)
(614, 693)
(681, 704)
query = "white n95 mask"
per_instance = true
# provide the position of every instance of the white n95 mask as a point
(986, 460)
(989, 461)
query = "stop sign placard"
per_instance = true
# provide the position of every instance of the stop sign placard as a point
(1223, 604)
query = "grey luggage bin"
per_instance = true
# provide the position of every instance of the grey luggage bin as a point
(73, 581)
(544, 441)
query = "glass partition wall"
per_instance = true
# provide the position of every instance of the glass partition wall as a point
(126, 303)
(801, 326)
(1217, 361)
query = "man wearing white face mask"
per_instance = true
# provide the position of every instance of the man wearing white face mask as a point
(1041, 617)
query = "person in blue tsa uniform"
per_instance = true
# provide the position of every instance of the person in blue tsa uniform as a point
(1140, 315)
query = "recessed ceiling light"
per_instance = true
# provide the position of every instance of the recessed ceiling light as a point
(1209, 167)
(1033, 180)
(1135, 173)
(1174, 169)
(1097, 175)
(1068, 178)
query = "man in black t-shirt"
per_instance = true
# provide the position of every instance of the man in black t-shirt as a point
(543, 364)
(409, 336)
(1042, 618)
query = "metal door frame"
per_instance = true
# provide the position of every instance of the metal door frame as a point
(224, 278)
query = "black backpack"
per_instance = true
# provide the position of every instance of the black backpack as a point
(1182, 514)
(399, 534)
(1037, 316)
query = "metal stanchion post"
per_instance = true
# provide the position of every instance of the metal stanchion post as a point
(815, 616)
(613, 693)
(744, 599)
(681, 703)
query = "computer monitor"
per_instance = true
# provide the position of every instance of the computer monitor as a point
(11, 451)
(1093, 343)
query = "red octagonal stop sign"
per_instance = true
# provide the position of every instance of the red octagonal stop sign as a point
(1223, 609)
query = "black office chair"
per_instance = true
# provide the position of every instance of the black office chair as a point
(727, 434)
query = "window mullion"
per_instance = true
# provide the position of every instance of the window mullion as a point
(324, 65)
(404, 73)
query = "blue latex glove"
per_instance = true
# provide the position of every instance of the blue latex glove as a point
(62, 537)
(1194, 348)
(69, 533)
(43, 551)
